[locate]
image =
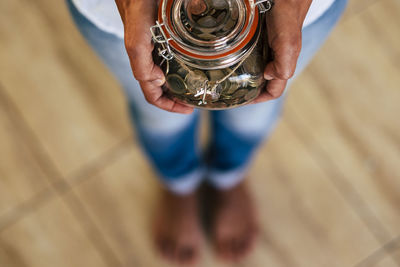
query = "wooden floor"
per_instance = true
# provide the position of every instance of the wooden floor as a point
(75, 189)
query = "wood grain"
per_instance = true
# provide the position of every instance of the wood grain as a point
(304, 217)
(21, 179)
(326, 184)
(56, 84)
(49, 237)
(355, 132)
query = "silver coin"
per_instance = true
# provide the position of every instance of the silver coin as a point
(256, 81)
(195, 81)
(182, 72)
(207, 22)
(251, 94)
(220, 4)
(230, 24)
(216, 92)
(239, 93)
(206, 36)
(235, 13)
(176, 84)
(253, 64)
(221, 17)
(215, 75)
(230, 85)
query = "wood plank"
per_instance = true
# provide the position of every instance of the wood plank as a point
(350, 119)
(305, 219)
(47, 238)
(65, 94)
(386, 262)
(354, 7)
(122, 200)
(20, 177)
(315, 222)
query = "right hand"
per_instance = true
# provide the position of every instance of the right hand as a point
(138, 16)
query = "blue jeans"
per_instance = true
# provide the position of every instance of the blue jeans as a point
(171, 140)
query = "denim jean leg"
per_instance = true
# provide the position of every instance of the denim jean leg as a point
(168, 139)
(237, 133)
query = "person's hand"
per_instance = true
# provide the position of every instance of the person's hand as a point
(284, 24)
(138, 16)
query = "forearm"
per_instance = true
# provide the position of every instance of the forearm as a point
(294, 10)
(127, 8)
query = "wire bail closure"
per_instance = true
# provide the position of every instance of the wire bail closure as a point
(264, 5)
(159, 37)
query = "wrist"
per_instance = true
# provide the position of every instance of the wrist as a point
(296, 9)
(128, 7)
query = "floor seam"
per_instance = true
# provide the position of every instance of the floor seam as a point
(348, 192)
(60, 185)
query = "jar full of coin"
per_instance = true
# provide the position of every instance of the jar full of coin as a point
(212, 52)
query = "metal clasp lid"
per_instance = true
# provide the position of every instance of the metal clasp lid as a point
(264, 5)
(159, 37)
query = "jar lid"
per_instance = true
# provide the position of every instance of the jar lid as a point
(208, 29)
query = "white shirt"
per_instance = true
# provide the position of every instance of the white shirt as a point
(104, 13)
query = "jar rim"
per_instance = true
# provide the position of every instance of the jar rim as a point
(243, 37)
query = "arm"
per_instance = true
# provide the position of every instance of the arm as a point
(284, 24)
(137, 17)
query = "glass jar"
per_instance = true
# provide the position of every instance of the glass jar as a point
(212, 52)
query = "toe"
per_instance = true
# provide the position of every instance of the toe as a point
(239, 247)
(224, 250)
(167, 248)
(187, 254)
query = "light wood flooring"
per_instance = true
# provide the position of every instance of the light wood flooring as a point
(75, 190)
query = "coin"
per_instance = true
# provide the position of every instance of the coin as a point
(176, 84)
(195, 80)
(256, 81)
(206, 36)
(182, 72)
(215, 91)
(234, 13)
(221, 17)
(207, 22)
(215, 75)
(230, 24)
(197, 7)
(229, 84)
(220, 4)
(239, 93)
(251, 94)
(253, 64)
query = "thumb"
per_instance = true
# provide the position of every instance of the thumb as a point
(159, 77)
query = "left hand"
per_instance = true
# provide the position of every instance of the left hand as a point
(284, 24)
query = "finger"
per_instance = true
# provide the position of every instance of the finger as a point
(138, 40)
(286, 50)
(273, 90)
(154, 95)
(142, 64)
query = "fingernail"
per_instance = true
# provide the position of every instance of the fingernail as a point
(159, 82)
(268, 77)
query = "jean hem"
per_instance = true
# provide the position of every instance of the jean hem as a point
(225, 180)
(185, 184)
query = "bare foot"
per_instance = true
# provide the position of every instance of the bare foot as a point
(177, 228)
(234, 223)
